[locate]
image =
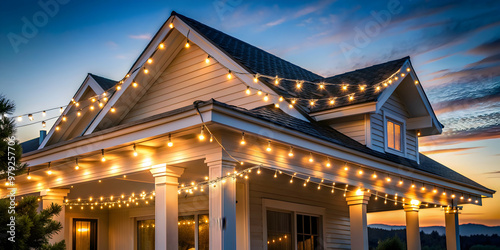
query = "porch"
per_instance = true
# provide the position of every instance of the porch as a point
(258, 188)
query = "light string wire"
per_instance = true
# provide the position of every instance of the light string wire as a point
(312, 101)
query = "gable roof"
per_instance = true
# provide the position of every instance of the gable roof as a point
(105, 83)
(256, 60)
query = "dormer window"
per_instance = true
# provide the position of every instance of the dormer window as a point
(394, 138)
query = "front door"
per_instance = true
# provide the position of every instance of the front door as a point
(84, 234)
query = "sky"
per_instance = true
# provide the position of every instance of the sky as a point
(47, 48)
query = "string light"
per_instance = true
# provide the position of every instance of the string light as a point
(290, 153)
(311, 159)
(161, 46)
(30, 117)
(91, 107)
(28, 177)
(170, 143)
(374, 175)
(362, 87)
(171, 25)
(19, 118)
(135, 151)
(78, 113)
(346, 167)
(360, 171)
(187, 44)
(103, 159)
(44, 113)
(276, 80)
(256, 78)
(113, 109)
(328, 164)
(243, 142)
(266, 97)
(229, 75)
(76, 164)
(49, 171)
(434, 190)
(135, 84)
(388, 179)
(202, 134)
(321, 85)
(211, 138)
(400, 181)
(146, 71)
(150, 60)
(412, 184)
(299, 84)
(268, 149)
(61, 109)
(43, 124)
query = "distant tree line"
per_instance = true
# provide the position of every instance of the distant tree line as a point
(381, 239)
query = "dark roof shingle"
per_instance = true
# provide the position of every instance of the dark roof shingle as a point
(105, 83)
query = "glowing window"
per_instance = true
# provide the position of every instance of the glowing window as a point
(394, 135)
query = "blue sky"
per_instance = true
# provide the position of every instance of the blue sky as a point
(454, 47)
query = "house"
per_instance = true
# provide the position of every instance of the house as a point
(209, 142)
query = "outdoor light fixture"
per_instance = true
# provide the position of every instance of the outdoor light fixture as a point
(103, 159)
(170, 143)
(202, 134)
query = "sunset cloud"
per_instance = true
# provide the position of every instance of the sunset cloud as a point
(447, 150)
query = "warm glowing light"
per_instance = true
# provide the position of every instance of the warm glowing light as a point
(229, 75)
(28, 177)
(359, 191)
(311, 159)
(408, 69)
(332, 101)
(243, 142)
(351, 97)
(187, 44)
(150, 60)
(256, 78)
(268, 149)
(78, 113)
(362, 87)
(43, 124)
(146, 71)
(170, 143)
(322, 85)
(103, 159)
(161, 46)
(135, 151)
(44, 113)
(276, 80)
(135, 84)
(93, 100)
(19, 118)
(101, 104)
(299, 84)
(402, 74)
(117, 88)
(328, 164)
(344, 87)
(290, 153)
(377, 88)
(91, 107)
(280, 98)
(248, 92)
(415, 202)
(207, 60)
(57, 128)
(61, 109)
(312, 103)
(113, 109)
(388, 179)
(171, 25)
(266, 97)
(30, 116)
(416, 81)
(374, 175)
(202, 134)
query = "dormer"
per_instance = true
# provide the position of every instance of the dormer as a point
(389, 115)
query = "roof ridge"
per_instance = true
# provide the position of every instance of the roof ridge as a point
(371, 66)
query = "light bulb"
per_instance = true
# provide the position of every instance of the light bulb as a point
(268, 149)
(351, 97)
(187, 44)
(44, 113)
(311, 103)
(103, 159)
(248, 92)
(416, 81)
(322, 86)
(113, 110)
(311, 157)
(91, 107)
(344, 87)
(374, 175)
(171, 25)
(78, 113)
(362, 87)
(161, 46)
(28, 177)
(57, 128)
(408, 69)
(266, 97)
(61, 110)
(243, 142)
(170, 143)
(135, 151)
(276, 81)
(150, 60)
(229, 75)
(332, 101)
(299, 84)
(202, 134)
(146, 71)
(43, 124)
(256, 78)
(49, 172)
(207, 60)
(259, 92)
(328, 164)
(135, 84)
(291, 152)
(117, 88)
(30, 116)
(19, 118)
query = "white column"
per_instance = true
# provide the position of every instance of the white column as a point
(412, 227)
(56, 196)
(357, 202)
(166, 205)
(452, 232)
(222, 204)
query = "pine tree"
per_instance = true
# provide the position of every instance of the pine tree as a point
(8, 143)
(32, 229)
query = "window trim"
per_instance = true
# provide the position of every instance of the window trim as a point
(294, 208)
(389, 116)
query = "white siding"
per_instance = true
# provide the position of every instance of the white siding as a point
(187, 79)
(354, 128)
(336, 216)
(395, 107)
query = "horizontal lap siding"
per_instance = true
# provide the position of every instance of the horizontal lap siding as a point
(354, 129)
(377, 131)
(337, 229)
(187, 79)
